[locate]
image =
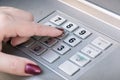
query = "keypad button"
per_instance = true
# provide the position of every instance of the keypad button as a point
(49, 24)
(82, 33)
(28, 43)
(69, 68)
(48, 41)
(80, 59)
(61, 48)
(58, 20)
(63, 35)
(36, 37)
(50, 56)
(101, 43)
(72, 40)
(91, 51)
(69, 26)
(37, 48)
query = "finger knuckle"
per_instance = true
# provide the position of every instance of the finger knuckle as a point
(3, 17)
(13, 66)
(30, 16)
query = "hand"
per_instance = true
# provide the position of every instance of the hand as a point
(18, 26)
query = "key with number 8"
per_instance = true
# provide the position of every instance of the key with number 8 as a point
(69, 26)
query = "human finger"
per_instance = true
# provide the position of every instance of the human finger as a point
(18, 65)
(0, 46)
(28, 29)
(18, 40)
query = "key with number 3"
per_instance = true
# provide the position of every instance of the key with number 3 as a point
(61, 48)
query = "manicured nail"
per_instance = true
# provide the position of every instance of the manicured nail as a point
(60, 29)
(61, 35)
(32, 69)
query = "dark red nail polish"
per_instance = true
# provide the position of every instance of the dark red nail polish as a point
(61, 35)
(60, 29)
(32, 69)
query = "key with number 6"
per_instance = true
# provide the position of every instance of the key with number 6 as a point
(72, 40)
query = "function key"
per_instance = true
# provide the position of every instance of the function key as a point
(61, 48)
(69, 26)
(58, 20)
(80, 59)
(48, 41)
(72, 40)
(69, 68)
(50, 56)
(91, 51)
(82, 33)
(101, 43)
(37, 48)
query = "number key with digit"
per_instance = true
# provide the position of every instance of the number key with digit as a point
(69, 54)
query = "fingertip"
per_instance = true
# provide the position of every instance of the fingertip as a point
(61, 31)
(18, 65)
(18, 40)
(55, 31)
(44, 30)
(32, 69)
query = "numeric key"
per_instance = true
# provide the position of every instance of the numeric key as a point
(58, 20)
(28, 43)
(72, 40)
(69, 26)
(37, 48)
(82, 33)
(48, 41)
(61, 48)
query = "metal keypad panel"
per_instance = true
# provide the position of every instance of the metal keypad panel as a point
(69, 54)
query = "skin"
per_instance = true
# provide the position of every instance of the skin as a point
(19, 26)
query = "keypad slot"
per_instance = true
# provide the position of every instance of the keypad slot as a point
(70, 53)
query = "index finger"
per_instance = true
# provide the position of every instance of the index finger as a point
(28, 29)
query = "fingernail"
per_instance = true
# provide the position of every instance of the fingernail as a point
(60, 29)
(32, 69)
(61, 35)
